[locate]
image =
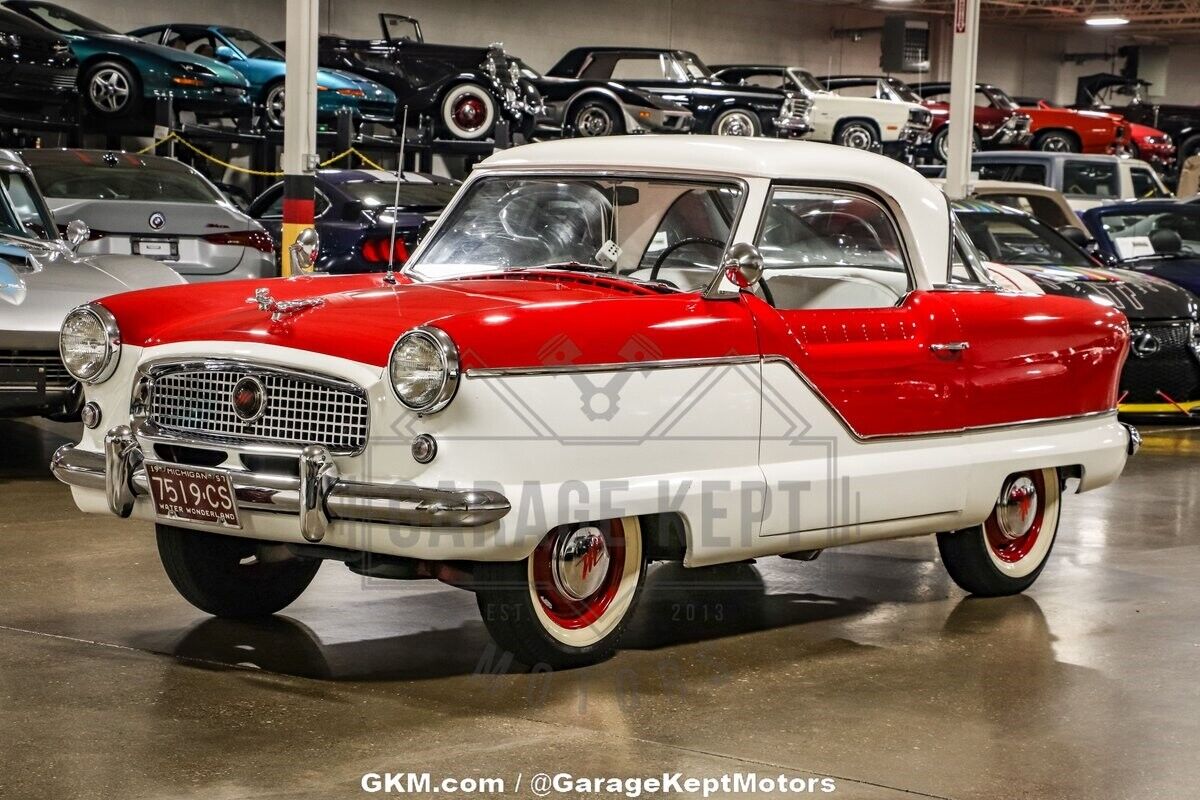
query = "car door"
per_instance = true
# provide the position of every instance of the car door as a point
(856, 363)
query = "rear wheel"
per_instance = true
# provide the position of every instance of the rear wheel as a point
(468, 112)
(111, 89)
(941, 144)
(1007, 552)
(1056, 142)
(222, 575)
(566, 605)
(273, 105)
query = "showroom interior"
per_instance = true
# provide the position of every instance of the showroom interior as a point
(609, 399)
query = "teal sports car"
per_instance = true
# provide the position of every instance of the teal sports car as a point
(119, 74)
(262, 63)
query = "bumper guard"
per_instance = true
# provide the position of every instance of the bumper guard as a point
(319, 496)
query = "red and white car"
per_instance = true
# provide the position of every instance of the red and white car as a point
(605, 353)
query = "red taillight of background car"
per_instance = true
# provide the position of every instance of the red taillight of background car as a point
(259, 240)
(375, 251)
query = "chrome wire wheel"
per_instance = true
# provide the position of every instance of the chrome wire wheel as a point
(736, 123)
(273, 106)
(109, 90)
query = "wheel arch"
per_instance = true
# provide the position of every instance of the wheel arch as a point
(844, 121)
(1074, 135)
(594, 92)
(99, 58)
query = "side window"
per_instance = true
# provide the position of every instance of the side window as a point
(274, 208)
(320, 205)
(1091, 179)
(700, 216)
(861, 91)
(966, 263)
(1144, 184)
(831, 249)
(153, 37)
(639, 68)
(982, 100)
(766, 80)
(201, 43)
(1024, 173)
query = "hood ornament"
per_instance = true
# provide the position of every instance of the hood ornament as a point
(282, 308)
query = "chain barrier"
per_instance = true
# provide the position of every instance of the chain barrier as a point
(352, 151)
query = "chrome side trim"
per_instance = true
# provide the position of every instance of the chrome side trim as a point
(620, 366)
(318, 497)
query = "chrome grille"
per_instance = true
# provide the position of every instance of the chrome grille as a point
(797, 107)
(300, 409)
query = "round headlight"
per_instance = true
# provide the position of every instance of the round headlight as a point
(424, 369)
(90, 344)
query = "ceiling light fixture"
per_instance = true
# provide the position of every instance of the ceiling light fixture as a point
(1107, 22)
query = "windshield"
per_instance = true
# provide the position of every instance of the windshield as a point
(1154, 233)
(252, 45)
(634, 227)
(692, 66)
(1018, 240)
(377, 195)
(22, 211)
(1001, 99)
(901, 91)
(124, 182)
(805, 80)
(64, 21)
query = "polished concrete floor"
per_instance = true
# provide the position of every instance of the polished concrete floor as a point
(867, 665)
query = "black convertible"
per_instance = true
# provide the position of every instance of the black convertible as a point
(678, 76)
(464, 90)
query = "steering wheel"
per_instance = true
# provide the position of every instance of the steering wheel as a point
(671, 248)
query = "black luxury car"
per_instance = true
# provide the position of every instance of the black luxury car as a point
(38, 73)
(465, 90)
(681, 77)
(1129, 97)
(580, 107)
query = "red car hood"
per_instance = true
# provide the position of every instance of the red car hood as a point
(500, 320)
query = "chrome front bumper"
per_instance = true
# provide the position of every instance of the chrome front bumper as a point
(318, 496)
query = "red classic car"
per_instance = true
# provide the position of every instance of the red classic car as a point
(607, 352)
(1054, 129)
(1149, 144)
(996, 127)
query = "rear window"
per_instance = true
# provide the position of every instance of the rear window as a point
(1019, 173)
(1091, 179)
(413, 196)
(81, 181)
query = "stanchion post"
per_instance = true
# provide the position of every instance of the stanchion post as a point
(299, 123)
(963, 64)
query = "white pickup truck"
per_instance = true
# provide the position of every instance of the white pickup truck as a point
(864, 123)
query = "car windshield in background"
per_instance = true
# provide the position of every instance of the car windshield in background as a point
(1019, 240)
(378, 195)
(692, 66)
(1154, 234)
(614, 225)
(24, 213)
(806, 81)
(66, 21)
(252, 45)
(1091, 179)
(901, 91)
(121, 182)
(1002, 100)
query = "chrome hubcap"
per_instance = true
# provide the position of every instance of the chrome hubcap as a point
(1055, 144)
(594, 122)
(581, 562)
(736, 125)
(859, 138)
(275, 106)
(109, 90)
(469, 112)
(1018, 507)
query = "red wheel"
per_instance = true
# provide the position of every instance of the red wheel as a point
(567, 604)
(1007, 553)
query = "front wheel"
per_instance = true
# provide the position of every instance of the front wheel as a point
(736, 122)
(468, 112)
(941, 144)
(273, 105)
(858, 135)
(111, 89)
(1007, 552)
(566, 605)
(222, 575)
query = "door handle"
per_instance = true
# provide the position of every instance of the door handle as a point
(950, 347)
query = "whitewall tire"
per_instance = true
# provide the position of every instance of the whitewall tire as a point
(468, 112)
(569, 602)
(1007, 552)
(736, 122)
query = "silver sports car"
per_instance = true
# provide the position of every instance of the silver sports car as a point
(153, 207)
(41, 279)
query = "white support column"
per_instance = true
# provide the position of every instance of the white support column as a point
(965, 29)
(299, 122)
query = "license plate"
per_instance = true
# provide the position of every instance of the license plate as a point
(165, 249)
(193, 494)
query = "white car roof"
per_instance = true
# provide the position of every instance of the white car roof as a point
(921, 208)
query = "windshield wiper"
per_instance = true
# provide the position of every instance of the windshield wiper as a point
(578, 266)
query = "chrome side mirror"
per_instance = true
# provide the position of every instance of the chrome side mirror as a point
(304, 251)
(77, 233)
(743, 265)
